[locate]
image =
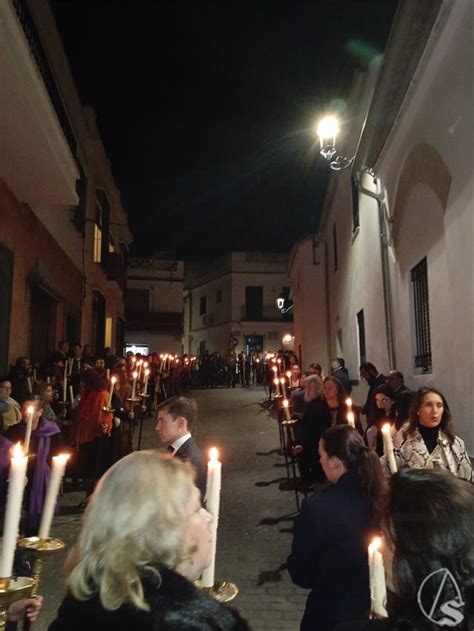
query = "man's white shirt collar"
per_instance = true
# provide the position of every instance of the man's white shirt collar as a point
(179, 442)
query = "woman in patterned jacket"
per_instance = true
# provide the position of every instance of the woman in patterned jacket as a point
(428, 440)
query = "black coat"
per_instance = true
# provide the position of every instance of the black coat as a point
(175, 605)
(329, 554)
(189, 451)
(344, 379)
(309, 431)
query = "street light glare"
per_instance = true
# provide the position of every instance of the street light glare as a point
(327, 127)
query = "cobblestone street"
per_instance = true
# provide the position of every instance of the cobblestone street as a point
(254, 534)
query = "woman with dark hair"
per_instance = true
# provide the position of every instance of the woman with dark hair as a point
(334, 404)
(428, 440)
(428, 553)
(331, 534)
(91, 430)
(384, 398)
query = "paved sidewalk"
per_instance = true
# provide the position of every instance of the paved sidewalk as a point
(254, 534)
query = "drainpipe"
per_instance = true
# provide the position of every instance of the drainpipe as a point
(328, 305)
(386, 281)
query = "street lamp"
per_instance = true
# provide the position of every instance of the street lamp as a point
(280, 302)
(327, 130)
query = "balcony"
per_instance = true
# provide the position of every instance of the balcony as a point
(115, 269)
(154, 322)
(268, 313)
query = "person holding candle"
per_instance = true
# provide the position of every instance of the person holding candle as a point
(384, 398)
(335, 406)
(135, 559)
(91, 430)
(329, 551)
(45, 442)
(176, 418)
(45, 390)
(429, 440)
(428, 551)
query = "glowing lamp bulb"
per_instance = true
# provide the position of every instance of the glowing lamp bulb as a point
(327, 130)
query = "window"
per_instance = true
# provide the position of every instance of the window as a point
(254, 303)
(361, 331)
(355, 204)
(108, 332)
(421, 316)
(202, 305)
(334, 242)
(101, 227)
(219, 296)
(97, 242)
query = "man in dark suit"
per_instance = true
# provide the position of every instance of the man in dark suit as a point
(339, 371)
(374, 379)
(176, 417)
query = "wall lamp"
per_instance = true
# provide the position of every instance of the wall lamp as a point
(327, 130)
(284, 303)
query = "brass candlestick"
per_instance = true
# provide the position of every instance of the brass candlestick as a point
(107, 410)
(222, 591)
(11, 590)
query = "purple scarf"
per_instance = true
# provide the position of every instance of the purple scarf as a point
(41, 470)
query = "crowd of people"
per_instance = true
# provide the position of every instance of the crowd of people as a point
(135, 561)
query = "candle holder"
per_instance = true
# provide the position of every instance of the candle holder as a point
(107, 410)
(133, 399)
(11, 590)
(144, 396)
(40, 547)
(222, 591)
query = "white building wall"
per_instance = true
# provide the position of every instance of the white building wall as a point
(157, 342)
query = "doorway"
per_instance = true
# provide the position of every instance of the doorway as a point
(253, 344)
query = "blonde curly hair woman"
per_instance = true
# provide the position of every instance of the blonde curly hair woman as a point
(145, 537)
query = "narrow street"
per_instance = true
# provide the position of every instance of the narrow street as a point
(254, 534)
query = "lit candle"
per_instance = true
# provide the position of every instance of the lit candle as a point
(378, 591)
(288, 376)
(276, 381)
(283, 389)
(134, 386)
(112, 384)
(286, 409)
(145, 384)
(30, 410)
(139, 366)
(213, 496)
(350, 419)
(71, 394)
(349, 404)
(388, 448)
(59, 466)
(16, 487)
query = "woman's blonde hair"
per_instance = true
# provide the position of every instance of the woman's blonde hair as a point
(135, 520)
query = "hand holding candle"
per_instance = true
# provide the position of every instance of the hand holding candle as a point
(213, 496)
(59, 466)
(16, 487)
(378, 591)
(388, 448)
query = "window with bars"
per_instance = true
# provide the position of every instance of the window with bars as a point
(421, 316)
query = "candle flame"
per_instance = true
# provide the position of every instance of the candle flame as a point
(282, 380)
(349, 402)
(386, 428)
(61, 458)
(285, 403)
(276, 382)
(375, 544)
(213, 454)
(113, 379)
(288, 374)
(274, 368)
(30, 409)
(17, 452)
(147, 372)
(134, 359)
(145, 365)
(135, 375)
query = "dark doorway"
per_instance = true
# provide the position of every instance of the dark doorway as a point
(43, 324)
(72, 329)
(98, 319)
(254, 303)
(6, 283)
(253, 344)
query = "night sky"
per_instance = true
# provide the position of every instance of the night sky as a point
(206, 110)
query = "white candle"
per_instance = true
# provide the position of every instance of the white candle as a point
(145, 384)
(34, 375)
(134, 386)
(350, 419)
(71, 394)
(288, 376)
(213, 497)
(30, 410)
(30, 389)
(286, 409)
(16, 487)
(107, 372)
(277, 387)
(378, 591)
(48, 379)
(65, 388)
(349, 404)
(283, 389)
(59, 466)
(112, 384)
(388, 448)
